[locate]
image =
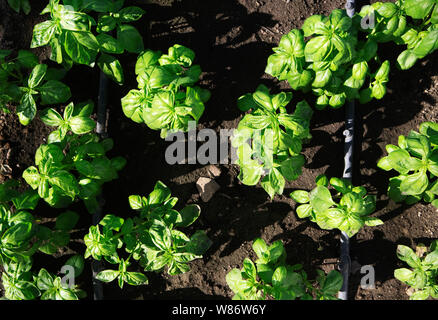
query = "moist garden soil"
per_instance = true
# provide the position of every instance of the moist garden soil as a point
(232, 40)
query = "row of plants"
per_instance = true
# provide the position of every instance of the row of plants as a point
(334, 57)
(73, 165)
(328, 56)
(151, 237)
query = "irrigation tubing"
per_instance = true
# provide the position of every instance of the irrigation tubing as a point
(101, 130)
(345, 263)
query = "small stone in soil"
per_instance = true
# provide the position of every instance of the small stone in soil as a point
(206, 188)
(214, 171)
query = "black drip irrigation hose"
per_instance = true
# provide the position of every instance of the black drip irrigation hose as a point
(101, 130)
(345, 263)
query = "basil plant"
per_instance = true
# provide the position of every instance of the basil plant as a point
(270, 278)
(348, 210)
(397, 22)
(167, 98)
(25, 82)
(22, 236)
(416, 160)
(73, 165)
(69, 32)
(269, 140)
(150, 237)
(21, 283)
(336, 56)
(422, 277)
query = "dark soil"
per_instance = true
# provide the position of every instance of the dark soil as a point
(232, 40)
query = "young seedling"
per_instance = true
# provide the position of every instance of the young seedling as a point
(269, 140)
(149, 237)
(26, 89)
(17, 224)
(349, 213)
(271, 278)
(22, 236)
(416, 160)
(422, 278)
(72, 166)
(166, 98)
(69, 33)
(20, 283)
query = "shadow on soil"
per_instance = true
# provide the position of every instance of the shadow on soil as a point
(383, 263)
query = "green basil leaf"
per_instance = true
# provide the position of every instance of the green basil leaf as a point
(27, 59)
(273, 183)
(320, 199)
(428, 44)
(53, 92)
(189, 215)
(81, 47)
(406, 254)
(17, 234)
(132, 105)
(26, 110)
(107, 275)
(332, 284)
(81, 125)
(414, 184)
(112, 222)
(66, 221)
(300, 196)
(418, 9)
(111, 67)
(406, 59)
(106, 23)
(130, 38)
(42, 33)
(145, 60)
(37, 75)
(109, 44)
(74, 21)
(66, 182)
(77, 262)
(304, 211)
(199, 243)
(136, 278)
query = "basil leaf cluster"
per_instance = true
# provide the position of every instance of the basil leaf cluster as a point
(24, 81)
(22, 235)
(349, 213)
(69, 32)
(330, 57)
(150, 238)
(167, 98)
(422, 277)
(269, 139)
(416, 160)
(72, 166)
(21, 283)
(271, 278)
